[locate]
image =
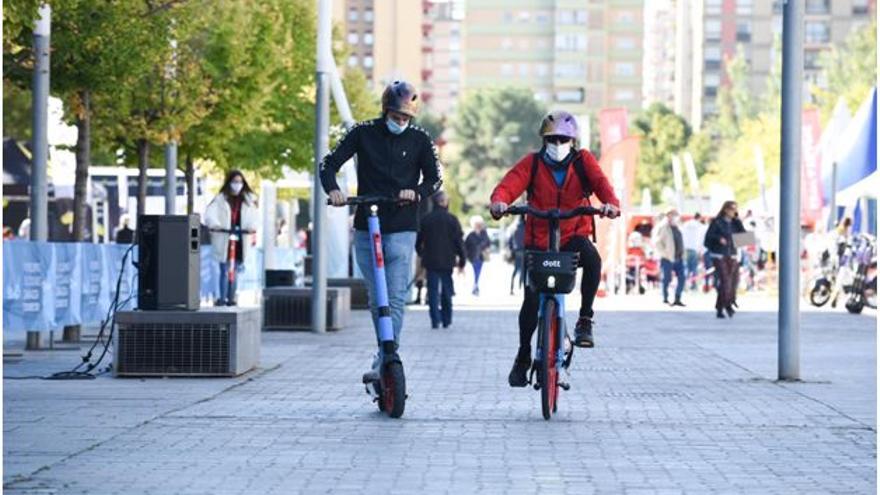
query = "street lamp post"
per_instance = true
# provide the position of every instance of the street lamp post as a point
(790, 190)
(322, 146)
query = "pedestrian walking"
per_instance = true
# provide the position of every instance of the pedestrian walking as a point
(516, 243)
(440, 246)
(669, 243)
(124, 234)
(719, 243)
(476, 246)
(232, 211)
(693, 231)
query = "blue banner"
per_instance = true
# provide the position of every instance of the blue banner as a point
(28, 286)
(67, 271)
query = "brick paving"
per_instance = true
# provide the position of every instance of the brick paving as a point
(669, 402)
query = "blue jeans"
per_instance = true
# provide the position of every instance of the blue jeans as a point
(693, 265)
(477, 263)
(398, 249)
(440, 290)
(227, 290)
(668, 267)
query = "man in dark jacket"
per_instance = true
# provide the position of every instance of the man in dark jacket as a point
(439, 243)
(395, 159)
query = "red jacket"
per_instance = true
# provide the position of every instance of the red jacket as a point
(547, 195)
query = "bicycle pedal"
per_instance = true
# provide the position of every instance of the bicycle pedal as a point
(564, 386)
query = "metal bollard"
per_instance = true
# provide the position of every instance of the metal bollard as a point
(33, 341)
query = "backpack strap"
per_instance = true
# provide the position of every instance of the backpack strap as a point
(585, 185)
(530, 189)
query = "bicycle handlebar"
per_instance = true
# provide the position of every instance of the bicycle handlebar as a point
(233, 231)
(554, 213)
(370, 200)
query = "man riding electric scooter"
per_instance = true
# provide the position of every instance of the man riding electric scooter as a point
(394, 159)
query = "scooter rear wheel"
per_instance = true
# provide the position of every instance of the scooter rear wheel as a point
(393, 397)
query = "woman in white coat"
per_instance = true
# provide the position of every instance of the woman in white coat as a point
(233, 210)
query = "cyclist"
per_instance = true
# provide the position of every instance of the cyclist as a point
(395, 159)
(559, 175)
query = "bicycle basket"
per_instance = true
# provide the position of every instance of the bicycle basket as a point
(542, 265)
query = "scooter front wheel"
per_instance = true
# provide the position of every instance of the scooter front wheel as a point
(393, 397)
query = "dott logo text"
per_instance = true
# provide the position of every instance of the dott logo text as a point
(553, 263)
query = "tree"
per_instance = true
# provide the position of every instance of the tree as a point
(850, 70)
(735, 163)
(735, 101)
(493, 129)
(432, 123)
(663, 133)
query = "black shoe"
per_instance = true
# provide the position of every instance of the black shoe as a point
(666, 301)
(678, 303)
(518, 374)
(583, 332)
(434, 326)
(730, 311)
(719, 314)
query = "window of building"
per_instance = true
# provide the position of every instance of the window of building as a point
(713, 7)
(507, 16)
(542, 17)
(353, 14)
(524, 16)
(570, 42)
(713, 29)
(368, 61)
(860, 7)
(818, 6)
(570, 70)
(565, 16)
(542, 70)
(506, 69)
(817, 32)
(353, 38)
(454, 45)
(811, 59)
(623, 17)
(353, 61)
(624, 95)
(581, 17)
(743, 31)
(570, 95)
(454, 72)
(712, 64)
(523, 70)
(625, 69)
(368, 38)
(368, 15)
(710, 91)
(744, 7)
(712, 79)
(624, 43)
(712, 53)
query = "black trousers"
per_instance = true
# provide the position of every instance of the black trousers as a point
(592, 269)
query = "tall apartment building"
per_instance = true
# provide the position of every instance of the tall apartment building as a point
(384, 38)
(442, 74)
(709, 32)
(579, 55)
(658, 79)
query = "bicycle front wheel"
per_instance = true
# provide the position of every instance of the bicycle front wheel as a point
(549, 346)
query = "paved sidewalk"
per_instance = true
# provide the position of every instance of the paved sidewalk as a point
(669, 402)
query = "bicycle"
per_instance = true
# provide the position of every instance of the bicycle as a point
(390, 390)
(552, 274)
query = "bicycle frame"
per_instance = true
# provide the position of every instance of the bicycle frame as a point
(553, 247)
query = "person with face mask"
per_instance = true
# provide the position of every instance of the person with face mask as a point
(669, 243)
(396, 159)
(233, 209)
(559, 175)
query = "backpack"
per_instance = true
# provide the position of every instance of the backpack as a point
(581, 172)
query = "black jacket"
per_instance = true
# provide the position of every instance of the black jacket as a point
(440, 241)
(386, 164)
(721, 229)
(475, 243)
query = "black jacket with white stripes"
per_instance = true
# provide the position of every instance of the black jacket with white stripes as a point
(387, 163)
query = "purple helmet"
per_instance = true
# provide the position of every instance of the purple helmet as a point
(559, 123)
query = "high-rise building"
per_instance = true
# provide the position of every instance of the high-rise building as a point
(710, 32)
(384, 38)
(579, 55)
(658, 79)
(442, 74)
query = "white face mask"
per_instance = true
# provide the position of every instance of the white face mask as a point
(236, 187)
(558, 152)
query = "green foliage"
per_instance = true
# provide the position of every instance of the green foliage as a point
(17, 118)
(432, 123)
(493, 129)
(851, 70)
(735, 164)
(663, 134)
(736, 104)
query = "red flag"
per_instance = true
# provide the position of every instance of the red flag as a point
(612, 127)
(811, 164)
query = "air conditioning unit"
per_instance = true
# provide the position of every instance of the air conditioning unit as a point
(223, 341)
(290, 308)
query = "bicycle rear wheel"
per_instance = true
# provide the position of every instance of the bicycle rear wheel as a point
(393, 389)
(549, 346)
